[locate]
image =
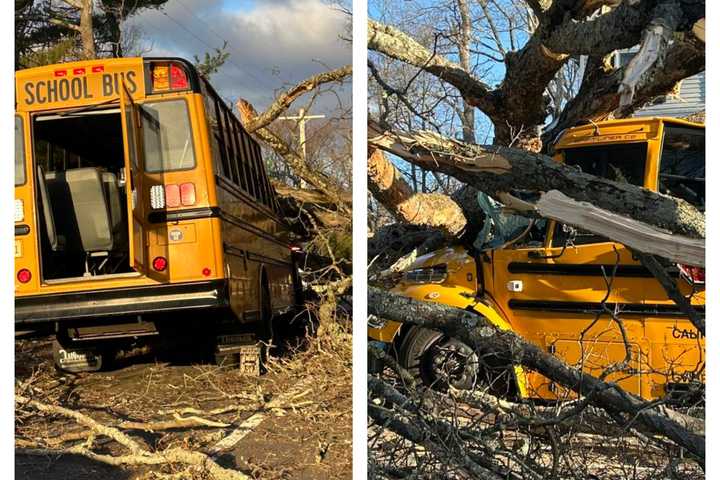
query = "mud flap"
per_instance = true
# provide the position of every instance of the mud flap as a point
(242, 350)
(76, 360)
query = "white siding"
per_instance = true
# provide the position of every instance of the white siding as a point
(691, 98)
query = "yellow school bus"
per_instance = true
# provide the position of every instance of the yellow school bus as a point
(554, 284)
(142, 207)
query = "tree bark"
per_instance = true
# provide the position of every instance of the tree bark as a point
(432, 210)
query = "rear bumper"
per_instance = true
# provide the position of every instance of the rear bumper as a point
(120, 301)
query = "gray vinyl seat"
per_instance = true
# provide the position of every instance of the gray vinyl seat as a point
(117, 224)
(47, 211)
(78, 199)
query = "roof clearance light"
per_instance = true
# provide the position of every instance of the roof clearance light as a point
(157, 196)
(178, 78)
(172, 195)
(160, 78)
(187, 194)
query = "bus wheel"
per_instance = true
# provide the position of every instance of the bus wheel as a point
(74, 359)
(437, 360)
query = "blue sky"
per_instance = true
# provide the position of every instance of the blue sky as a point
(272, 44)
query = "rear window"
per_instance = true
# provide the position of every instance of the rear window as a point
(19, 152)
(167, 137)
(682, 165)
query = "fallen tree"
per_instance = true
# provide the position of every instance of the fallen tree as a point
(499, 170)
(487, 340)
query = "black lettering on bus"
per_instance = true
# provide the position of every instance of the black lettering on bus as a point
(107, 86)
(86, 90)
(30, 95)
(40, 98)
(52, 91)
(115, 83)
(64, 89)
(130, 77)
(76, 87)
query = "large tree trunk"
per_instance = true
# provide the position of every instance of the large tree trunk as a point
(86, 30)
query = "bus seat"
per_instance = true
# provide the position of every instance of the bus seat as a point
(80, 192)
(112, 194)
(47, 211)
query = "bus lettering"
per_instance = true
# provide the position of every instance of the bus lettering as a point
(85, 89)
(64, 89)
(130, 77)
(107, 85)
(78, 88)
(111, 83)
(30, 96)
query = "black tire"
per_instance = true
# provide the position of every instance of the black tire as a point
(436, 360)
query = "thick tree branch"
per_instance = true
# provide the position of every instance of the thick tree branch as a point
(293, 159)
(600, 92)
(487, 339)
(395, 44)
(497, 170)
(286, 98)
(433, 210)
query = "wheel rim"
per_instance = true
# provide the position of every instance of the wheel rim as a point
(449, 362)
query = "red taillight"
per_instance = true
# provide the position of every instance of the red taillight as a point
(693, 275)
(172, 195)
(295, 248)
(187, 194)
(178, 78)
(24, 275)
(159, 264)
(206, 272)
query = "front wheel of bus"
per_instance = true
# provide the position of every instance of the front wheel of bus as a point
(438, 361)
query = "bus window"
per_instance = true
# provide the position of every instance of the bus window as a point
(682, 165)
(230, 147)
(242, 174)
(19, 152)
(221, 140)
(263, 178)
(213, 133)
(239, 158)
(167, 137)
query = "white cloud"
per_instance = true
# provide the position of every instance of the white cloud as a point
(272, 43)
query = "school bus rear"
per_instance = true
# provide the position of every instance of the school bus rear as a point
(174, 254)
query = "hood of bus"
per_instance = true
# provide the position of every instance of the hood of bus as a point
(459, 286)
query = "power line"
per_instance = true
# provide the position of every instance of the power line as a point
(260, 83)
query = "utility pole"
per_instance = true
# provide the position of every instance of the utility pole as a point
(301, 119)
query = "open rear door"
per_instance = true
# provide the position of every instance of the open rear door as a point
(133, 179)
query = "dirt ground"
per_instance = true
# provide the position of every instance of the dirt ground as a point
(294, 422)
